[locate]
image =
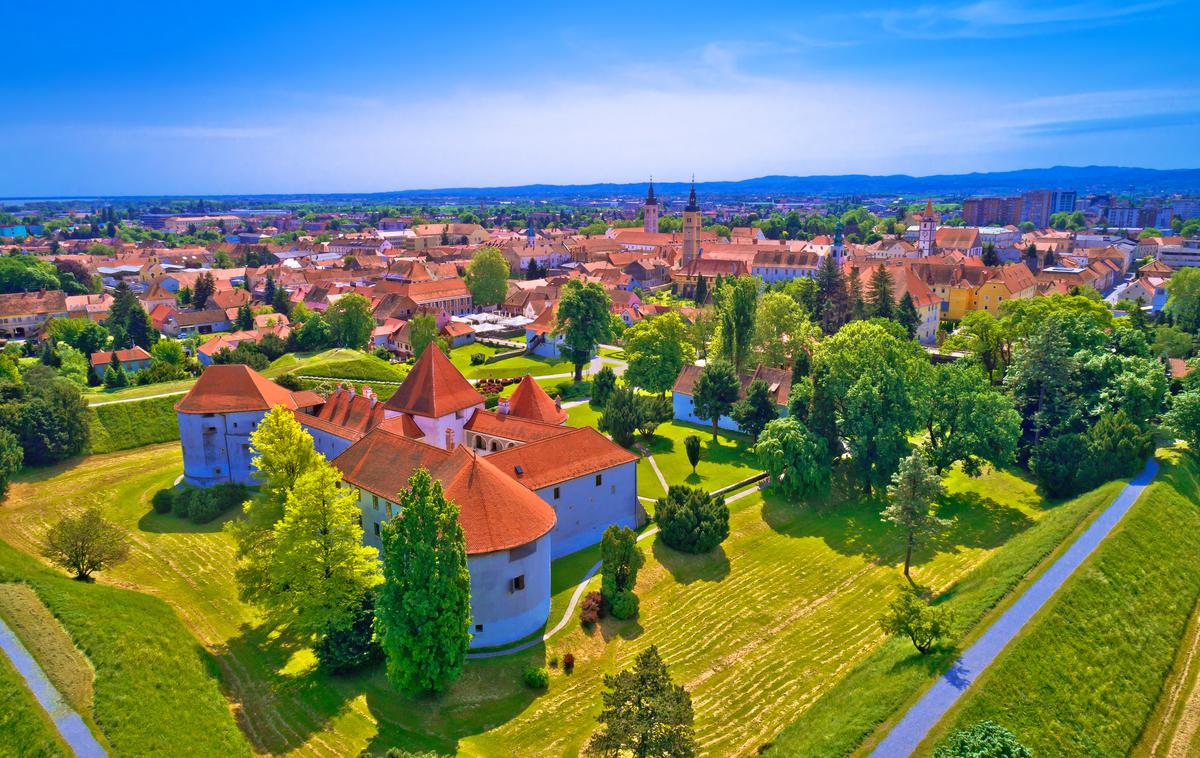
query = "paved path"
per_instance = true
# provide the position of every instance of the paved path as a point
(929, 710)
(69, 724)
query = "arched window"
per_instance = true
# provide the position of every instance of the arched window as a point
(494, 447)
(478, 442)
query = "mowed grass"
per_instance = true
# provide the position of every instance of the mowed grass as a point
(872, 695)
(758, 630)
(101, 395)
(25, 729)
(338, 363)
(44, 637)
(155, 689)
(120, 426)
(1087, 674)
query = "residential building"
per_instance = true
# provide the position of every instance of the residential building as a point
(23, 313)
(779, 382)
(132, 360)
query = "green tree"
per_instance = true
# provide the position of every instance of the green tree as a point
(914, 488)
(691, 444)
(422, 332)
(424, 605)
(487, 276)
(83, 334)
(833, 299)
(968, 421)
(987, 739)
(604, 382)
(583, 320)
(881, 301)
(982, 336)
(245, 317)
(796, 459)
(783, 334)
(910, 615)
(906, 315)
(169, 352)
(1183, 418)
(700, 294)
(281, 302)
(204, 289)
(645, 713)
(622, 416)
(313, 334)
(620, 560)
(657, 350)
(319, 570)
(753, 412)
(11, 458)
(115, 376)
(990, 257)
(858, 303)
(692, 520)
(715, 393)
(736, 301)
(350, 321)
(47, 414)
(873, 378)
(1183, 299)
(85, 543)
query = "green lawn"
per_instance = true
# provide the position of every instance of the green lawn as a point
(519, 365)
(784, 609)
(120, 426)
(155, 689)
(1087, 674)
(25, 729)
(101, 395)
(338, 363)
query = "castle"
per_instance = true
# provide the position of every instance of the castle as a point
(529, 489)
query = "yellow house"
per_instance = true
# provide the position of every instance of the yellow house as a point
(1010, 282)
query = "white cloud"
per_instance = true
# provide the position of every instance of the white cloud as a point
(1003, 18)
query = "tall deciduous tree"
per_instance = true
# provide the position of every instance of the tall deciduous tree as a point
(982, 336)
(910, 615)
(423, 609)
(319, 570)
(620, 560)
(583, 319)
(968, 420)
(645, 713)
(736, 301)
(85, 543)
(783, 334)
(1183, 299)
(350, 321)
(1184, 417)
(11, 458)
(422, 332)
(657, 349)
(487, 276)
(796, 459)
(715, 392)
(913, 490)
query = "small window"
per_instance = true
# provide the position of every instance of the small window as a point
(478, 628)
(599, 479)
(518, 583)
(389, 510)
(556, 493)
(375, 502)
(376, 528)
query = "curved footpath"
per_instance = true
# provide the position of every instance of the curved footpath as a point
(903, 739)
(68, 723)
(579, 589)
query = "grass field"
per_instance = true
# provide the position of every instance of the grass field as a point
(519, 365)
(100, 395)
(1087, 674)
(120, 426)
(786, 608)
(155, 689)
(25, 729)
(64, 664)
(338, 363)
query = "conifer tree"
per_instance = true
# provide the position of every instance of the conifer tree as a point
(645, 713)
(881, 303)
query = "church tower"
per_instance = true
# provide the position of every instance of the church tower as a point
(928, 235)
(838, 249)
(691, 227)
(650, 211)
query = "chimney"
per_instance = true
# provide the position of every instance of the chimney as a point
(449, 438)
(502, 407)
(368, 392)
(558, 403)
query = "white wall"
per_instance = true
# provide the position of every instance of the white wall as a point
(216, 447)
(585, 510)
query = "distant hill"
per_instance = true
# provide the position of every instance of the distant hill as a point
(1082, 178)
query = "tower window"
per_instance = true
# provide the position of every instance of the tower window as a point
(518, 583)
(599, 479)
(556, 493)
(376, 528)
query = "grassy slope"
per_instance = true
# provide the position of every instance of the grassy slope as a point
(784, 609)
(101, 395)
(49, 644)
(876, 690)
(25, 729)
(338, 363)
(520, 365)
(1084, 678)
(154, 690)
(120, 426)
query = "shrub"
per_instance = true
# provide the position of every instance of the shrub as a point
(289, 382)
(986, 739)
(691, 444)
(204, 507)
(692, 520)
(182, 505)
(478, 359)
(553, 661)
(163, 500)
(341, 650)
(568, 390)
(624, 605)
(603, 384)
(568, 663)
(383, 354)
(491, 401)
(592, 609)
(536, 678)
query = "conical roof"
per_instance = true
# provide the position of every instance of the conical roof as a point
(532, 402)
(434, 388)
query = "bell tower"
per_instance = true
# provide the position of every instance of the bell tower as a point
(928, 234)
(650, 211)
(691, 227)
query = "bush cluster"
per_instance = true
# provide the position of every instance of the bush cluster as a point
(199, 504)
(536, 678)
(568, 662)
(478, 359)
(591, 610)
(692, 520)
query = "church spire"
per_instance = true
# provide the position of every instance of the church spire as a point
(692, 204)
(650, 198)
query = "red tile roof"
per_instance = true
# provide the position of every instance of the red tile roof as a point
(512, 427)
(530, 401)
(434, 388)
(135, 353)
(234, 388)
(496, 513)
(779, 381)
(575, 453)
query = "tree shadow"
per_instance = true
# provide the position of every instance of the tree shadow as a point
(686, 568)
(627, 629)
(168, 523)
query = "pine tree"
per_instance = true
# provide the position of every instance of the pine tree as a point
(424, 605)
(645, 713)
(882, 302)
(833, 299)
(281, 302)
(858, 305)
(245, 317)
(701, 293)
(753, 412)
(907, 316)
(715, 393)
(115, 376)
(269, 289)
(204, 289)
(915, 486)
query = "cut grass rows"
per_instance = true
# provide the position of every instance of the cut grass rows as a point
(25, 729)
(64, 664)
(1087, 673)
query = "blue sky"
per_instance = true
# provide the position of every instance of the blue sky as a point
(261, 97)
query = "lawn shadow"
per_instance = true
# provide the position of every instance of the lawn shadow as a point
(627, 629)
(686, 568)
(168, 523)
(847, 526)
